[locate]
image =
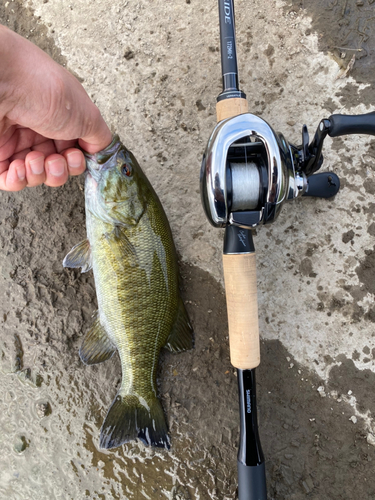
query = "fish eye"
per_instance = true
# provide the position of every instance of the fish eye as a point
(126, 170)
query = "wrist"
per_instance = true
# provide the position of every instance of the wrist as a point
(10, 50)
(5, 76)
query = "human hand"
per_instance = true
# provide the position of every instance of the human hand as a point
(44, 113)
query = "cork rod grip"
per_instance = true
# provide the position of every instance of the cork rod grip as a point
(228, 108)
(242, 305)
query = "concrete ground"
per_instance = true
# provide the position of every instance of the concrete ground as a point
(153, 68)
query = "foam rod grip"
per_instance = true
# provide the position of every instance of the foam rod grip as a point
(242, 305)
(227, 108)
(251, 482)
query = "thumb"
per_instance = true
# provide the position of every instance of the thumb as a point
(99, 138)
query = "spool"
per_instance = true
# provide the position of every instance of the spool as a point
(245, 186)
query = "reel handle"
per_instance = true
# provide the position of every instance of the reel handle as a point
(352, 124)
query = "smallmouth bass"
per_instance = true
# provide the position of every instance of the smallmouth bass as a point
(130, 249)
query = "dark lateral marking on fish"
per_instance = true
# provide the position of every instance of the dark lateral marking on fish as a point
(129, 418)
(79, 256)
(181, 336)
(96, 346)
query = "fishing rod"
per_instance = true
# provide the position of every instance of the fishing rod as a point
(240, 278)
(248, 172)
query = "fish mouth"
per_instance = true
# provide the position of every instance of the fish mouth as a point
(104, 159)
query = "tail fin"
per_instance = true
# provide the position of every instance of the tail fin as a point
(131, 417)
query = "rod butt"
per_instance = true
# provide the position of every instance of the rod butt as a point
(251, 482)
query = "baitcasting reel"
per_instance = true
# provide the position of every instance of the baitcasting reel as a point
(249, 170)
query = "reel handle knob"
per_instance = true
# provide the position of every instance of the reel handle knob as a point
(323, 185)
(352, 124)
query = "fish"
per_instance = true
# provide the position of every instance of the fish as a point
(130, 248)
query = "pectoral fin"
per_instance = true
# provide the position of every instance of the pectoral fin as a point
(121, 247)
(181, 336)
(96, 346)
(79, 256)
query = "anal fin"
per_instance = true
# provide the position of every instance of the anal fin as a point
(96, 346)
(181, 336)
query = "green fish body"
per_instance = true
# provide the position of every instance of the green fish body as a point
(130, 248)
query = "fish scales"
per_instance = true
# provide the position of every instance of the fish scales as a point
(131, 251)
(132, 304)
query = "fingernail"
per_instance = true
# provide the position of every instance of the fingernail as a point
(74, 159)
(56, 167)
(37, 165)
(21, 173)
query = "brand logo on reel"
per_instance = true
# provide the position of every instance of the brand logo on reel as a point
(242, 237)
(227, 12)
